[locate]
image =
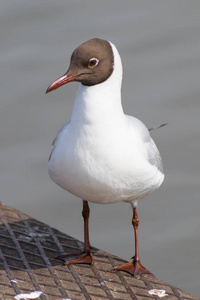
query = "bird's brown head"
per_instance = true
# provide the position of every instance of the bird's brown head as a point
(91, 63)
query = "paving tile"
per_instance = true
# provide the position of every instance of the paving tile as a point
(28, 264)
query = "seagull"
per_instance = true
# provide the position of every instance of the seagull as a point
(103, 155)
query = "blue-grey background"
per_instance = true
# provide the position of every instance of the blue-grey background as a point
(159, 42)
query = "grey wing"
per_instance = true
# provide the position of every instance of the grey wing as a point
(152, 151)
(60, 132)
(154, 155)
(57, 137)
(154, 128)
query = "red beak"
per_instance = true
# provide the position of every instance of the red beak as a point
(61, 81)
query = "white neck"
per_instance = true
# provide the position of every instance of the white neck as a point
(98, 103)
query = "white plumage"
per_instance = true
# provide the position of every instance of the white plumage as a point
(101, 154)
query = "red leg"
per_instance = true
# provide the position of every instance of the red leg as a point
(134, 267)
(86, 256)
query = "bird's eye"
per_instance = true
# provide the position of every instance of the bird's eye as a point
(93, 62)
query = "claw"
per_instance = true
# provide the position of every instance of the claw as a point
(133, 268)
(77, 258)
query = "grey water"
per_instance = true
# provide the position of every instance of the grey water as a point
(159, 42)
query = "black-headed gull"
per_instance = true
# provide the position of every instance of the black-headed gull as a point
(102, 155)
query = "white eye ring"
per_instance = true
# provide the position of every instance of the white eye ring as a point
(93, 62)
